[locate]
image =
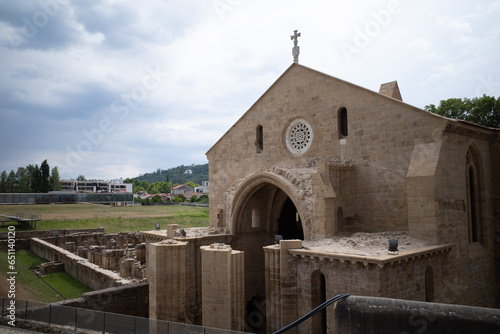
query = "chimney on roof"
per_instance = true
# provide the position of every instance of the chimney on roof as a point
(391, 89)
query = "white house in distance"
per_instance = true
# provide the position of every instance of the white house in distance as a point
(203, 188)
(182, 189)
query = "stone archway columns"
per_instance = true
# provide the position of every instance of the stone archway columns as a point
(281, 285)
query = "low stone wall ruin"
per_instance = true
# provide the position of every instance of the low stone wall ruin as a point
(81, 269)
(23, 237)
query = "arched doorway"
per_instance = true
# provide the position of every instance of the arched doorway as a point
(262, 209)
(318, 297)
(289, 222)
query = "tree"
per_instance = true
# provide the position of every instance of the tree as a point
(193, 199)
(483, 110)
(80, 178)
(45, 186)
(55, 180)
(36, 178)
(31, 179)
(156, 199)
(11, 181)
(3, 182)
(164, 187)
(146, 186)
(179, 198)
(153, 189)
(203, 199)
(192, 184)
(136, 189)
(24, 180)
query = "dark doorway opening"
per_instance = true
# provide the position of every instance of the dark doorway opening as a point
(318, 294)
(289, 222)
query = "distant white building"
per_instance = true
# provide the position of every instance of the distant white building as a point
(96, 186)
(182, 189)
(203, 188)
(188, 171)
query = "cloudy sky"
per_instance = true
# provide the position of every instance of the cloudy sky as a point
(110, 88)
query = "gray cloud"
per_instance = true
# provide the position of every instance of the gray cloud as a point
(45, 25)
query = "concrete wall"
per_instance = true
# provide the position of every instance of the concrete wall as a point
(80, 268)
(369, 315)
(129, 300)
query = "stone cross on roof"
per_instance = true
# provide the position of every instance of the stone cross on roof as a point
(296, 48)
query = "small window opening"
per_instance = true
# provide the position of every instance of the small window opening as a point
(429, 285)
(340, 218)
(473, 209)
(343, 129)
(255, 218)
(259, 142)
(473, 179)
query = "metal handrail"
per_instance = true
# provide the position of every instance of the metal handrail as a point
(312, 313)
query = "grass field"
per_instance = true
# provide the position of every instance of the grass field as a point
(78, 216)
(33, 286)
(113, 219)
(66, 285)
(28, 284)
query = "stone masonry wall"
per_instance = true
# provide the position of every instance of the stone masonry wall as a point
(471, 266)
(495, 167)
(130, 299)
(81, 269)
(223, 286)
(23, 237)
(166, 274)
(383, 135)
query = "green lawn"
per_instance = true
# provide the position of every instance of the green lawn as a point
(30, 282)
(28, 258)
(113, 219)
(63, 283)
(66, 285)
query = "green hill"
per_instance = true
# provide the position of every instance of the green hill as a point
(177, 175)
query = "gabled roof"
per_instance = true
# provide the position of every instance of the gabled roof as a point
(388, 91)
(476, 125)
(290, 68)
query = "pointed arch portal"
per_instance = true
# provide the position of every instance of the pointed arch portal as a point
(268, 200)
(264, 199)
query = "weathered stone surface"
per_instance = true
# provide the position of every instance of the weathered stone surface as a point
(223, 285)
(317, 157)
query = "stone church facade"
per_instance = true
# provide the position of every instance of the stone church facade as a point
(317, 158)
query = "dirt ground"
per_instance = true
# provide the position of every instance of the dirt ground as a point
(21, 293)
(366, 244)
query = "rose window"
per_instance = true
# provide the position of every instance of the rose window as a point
(299, 136)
